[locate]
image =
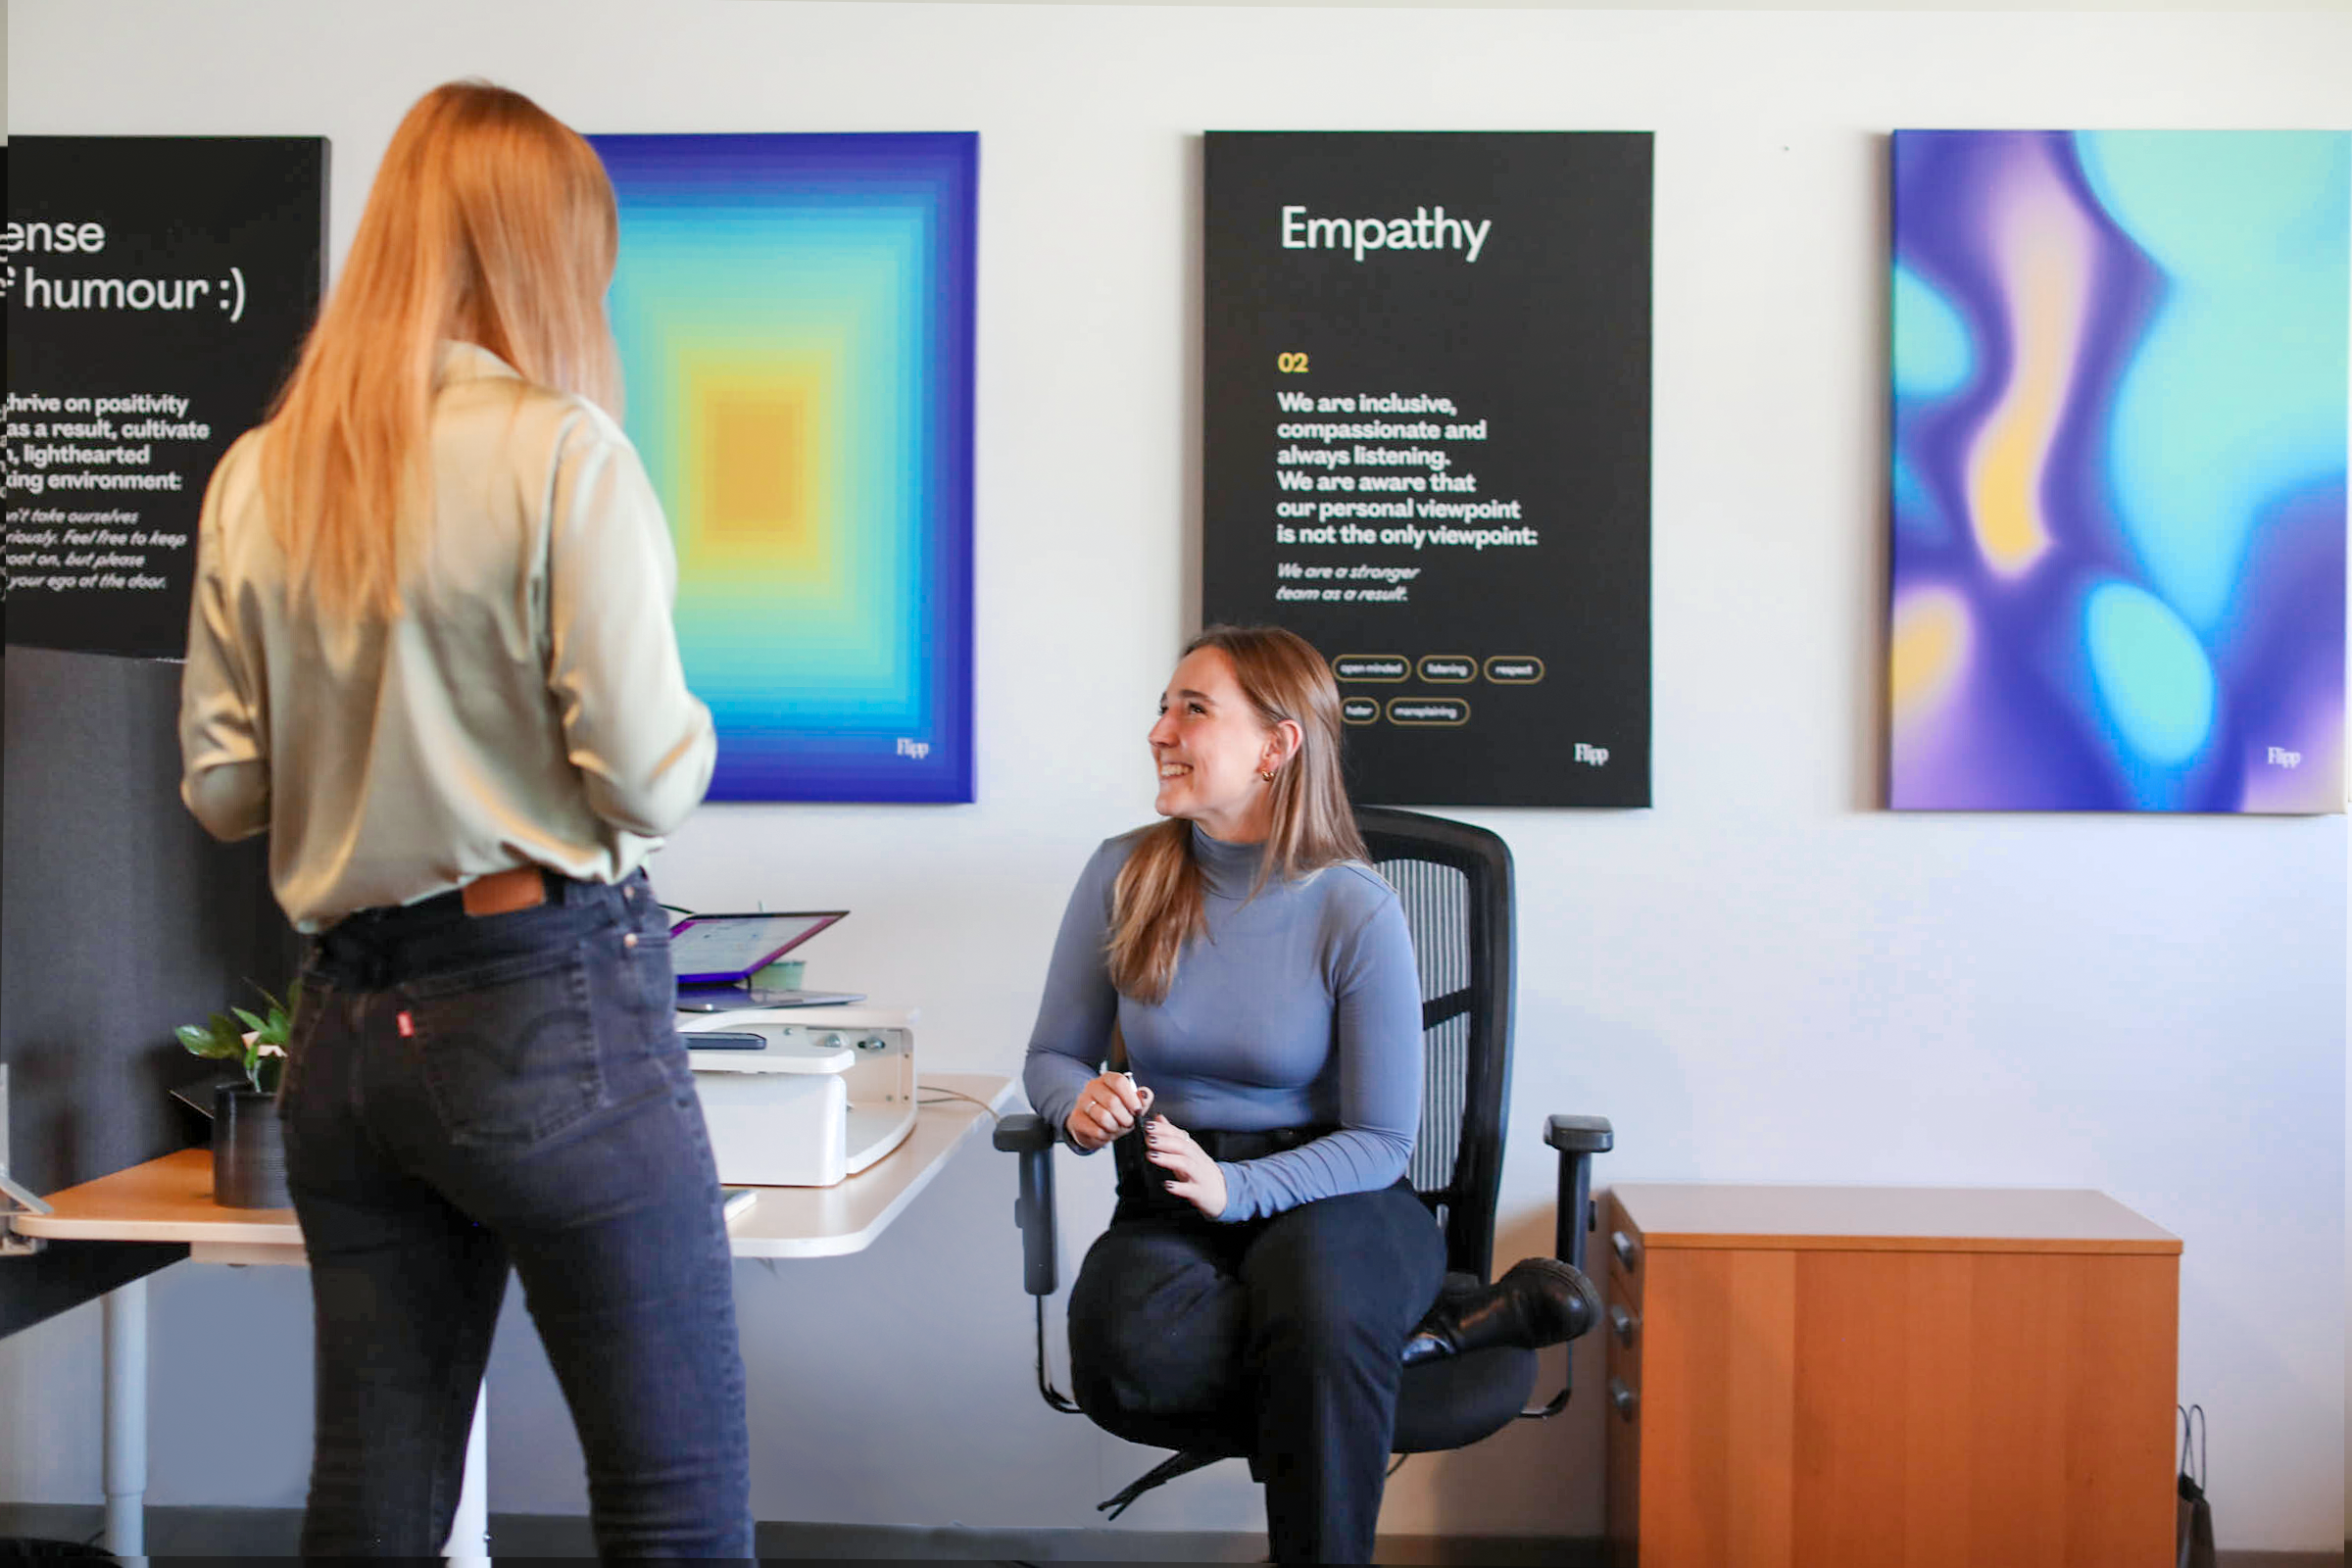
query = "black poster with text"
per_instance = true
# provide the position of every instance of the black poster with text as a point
(1426, 440)
(158, 289)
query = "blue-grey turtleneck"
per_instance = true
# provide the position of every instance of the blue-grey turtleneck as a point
(1299, 1008)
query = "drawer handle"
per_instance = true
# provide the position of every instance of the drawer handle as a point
(1628, 1254)
(1626, 1401)
(1623, 1324)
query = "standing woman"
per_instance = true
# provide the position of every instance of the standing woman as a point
(1267, 1251)
(430, 654)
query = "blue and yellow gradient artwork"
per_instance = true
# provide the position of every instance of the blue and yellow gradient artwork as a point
(2118, 469)
(795, 320)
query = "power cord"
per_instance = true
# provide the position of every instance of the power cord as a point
(943, 1096)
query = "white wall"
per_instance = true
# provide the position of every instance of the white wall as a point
(1763, 977)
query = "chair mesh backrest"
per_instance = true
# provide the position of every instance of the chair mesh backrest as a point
(1454, 884)
(1437, 910)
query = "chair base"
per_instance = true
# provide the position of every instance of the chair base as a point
(1440, 1405)
(1159, 1475)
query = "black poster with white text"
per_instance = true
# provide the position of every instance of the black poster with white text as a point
(158, 290)
(1426, 442)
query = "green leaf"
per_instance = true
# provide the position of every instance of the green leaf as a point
(278, 1026)
(222, 1036)
(218, 1038)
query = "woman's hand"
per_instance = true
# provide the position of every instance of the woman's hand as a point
(1107, 1109)
(1198, 1180)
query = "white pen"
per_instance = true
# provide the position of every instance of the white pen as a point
(1143, 1096)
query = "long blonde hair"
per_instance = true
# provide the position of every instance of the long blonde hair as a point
(1156, 903)
(490, 220)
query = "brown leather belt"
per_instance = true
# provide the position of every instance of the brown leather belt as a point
(522, 887)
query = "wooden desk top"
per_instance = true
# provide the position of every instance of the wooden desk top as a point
(167, 1199)
(1915, 1219)
(170, 1200)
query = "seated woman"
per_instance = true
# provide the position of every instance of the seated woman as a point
(1266, 1252)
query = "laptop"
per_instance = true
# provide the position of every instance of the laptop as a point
(715, 956)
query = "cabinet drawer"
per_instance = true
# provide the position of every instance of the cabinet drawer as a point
(1620, 1417)
(1623, 1287)
(1621, 1327)
(1621, 1245)
(1623, 1380)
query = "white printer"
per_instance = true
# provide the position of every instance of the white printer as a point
(802, 1097)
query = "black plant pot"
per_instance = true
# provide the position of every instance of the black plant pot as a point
(248, 1149)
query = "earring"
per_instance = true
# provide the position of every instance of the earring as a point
(1266, 773)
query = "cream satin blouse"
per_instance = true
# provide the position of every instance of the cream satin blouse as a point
(527, 707)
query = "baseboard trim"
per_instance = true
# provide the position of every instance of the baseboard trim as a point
(183, 1532)
(276, 1532)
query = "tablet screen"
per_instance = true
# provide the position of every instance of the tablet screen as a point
(715, 948)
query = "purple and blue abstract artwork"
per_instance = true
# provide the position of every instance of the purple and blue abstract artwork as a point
(794, 317)
(2119, 471)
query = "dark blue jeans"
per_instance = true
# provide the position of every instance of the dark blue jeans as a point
(1283, 1336)
(464, 1094)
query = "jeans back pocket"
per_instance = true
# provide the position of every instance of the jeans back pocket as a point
(508, 1050)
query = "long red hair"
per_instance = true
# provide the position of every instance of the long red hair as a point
(490, 220)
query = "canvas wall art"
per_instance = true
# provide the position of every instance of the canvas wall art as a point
(794, 317)
(1425, 410)
(2119, 471)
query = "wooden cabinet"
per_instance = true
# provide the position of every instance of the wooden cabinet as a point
(1910, 1377)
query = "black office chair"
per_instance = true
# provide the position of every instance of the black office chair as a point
(1454, 881)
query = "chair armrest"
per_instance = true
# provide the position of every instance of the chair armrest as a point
(1579, 1135)
(1027, 1135)
(1578, 1139)
(1022, 1131)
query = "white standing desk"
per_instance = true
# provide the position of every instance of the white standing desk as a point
(170, 1200)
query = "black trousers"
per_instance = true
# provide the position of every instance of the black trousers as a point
(466, 1097)
(1282, 1334)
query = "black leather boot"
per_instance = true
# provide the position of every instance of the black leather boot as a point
(1538, 1302)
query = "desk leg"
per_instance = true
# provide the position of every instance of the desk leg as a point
(469, 1533)
(126, 1419)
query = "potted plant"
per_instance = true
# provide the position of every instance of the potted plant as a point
(249, 1152)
